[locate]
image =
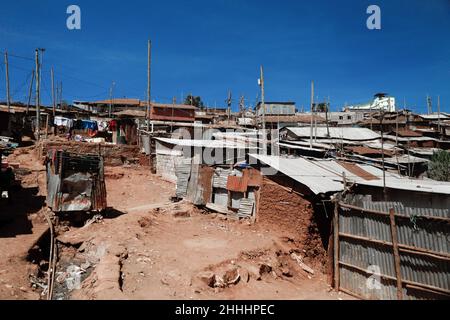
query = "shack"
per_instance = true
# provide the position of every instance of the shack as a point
(75, 183)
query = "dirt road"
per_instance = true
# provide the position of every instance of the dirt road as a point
(146, 247)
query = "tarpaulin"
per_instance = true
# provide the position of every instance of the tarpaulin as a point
(89, 124)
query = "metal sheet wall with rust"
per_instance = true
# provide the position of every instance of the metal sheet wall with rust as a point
(66, 170)
(359, 258)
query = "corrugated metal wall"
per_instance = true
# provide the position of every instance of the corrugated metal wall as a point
(366, 246)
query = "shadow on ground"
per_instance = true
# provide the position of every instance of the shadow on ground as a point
(14, 214)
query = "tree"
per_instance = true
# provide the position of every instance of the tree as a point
(321, 107)
(194, 101)
(439, 166)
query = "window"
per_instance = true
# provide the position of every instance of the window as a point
(349, 117)
(341, 117)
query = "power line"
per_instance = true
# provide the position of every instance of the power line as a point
(17, 56)
(20, 87)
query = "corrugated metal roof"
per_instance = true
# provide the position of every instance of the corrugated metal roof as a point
(291, 146)
(323, 176)
(355, 134)
(433, 116)
(206, 143)
(317, 179)
(406, 139)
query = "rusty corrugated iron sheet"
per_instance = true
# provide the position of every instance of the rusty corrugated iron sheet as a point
(237, 184)
(365, 241)
(74, 182)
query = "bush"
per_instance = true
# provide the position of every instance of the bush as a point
(439, 166)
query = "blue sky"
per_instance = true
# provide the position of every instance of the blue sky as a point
(210, 47)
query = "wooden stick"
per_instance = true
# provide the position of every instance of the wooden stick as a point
(398, 271)
(407, 282)
(349, 206)
(402, 247)
(336, 245)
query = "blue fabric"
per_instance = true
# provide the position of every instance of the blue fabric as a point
(89, 124)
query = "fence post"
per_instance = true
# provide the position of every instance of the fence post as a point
(396, 254)
(336, 245)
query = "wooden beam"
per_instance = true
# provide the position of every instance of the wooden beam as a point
(336, 245)
(398, 270)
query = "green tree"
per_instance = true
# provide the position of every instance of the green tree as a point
(194, 101)
(439, 166)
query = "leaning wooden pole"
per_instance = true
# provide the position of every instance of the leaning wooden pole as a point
(398, 272)
(336, 245)
(8, 97)
(149, 56)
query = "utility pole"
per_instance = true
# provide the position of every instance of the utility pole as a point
(241, 106)
(8, 98)
(30, 91)
(60, 95)
(263, 106)
(429, 105)
(315, 118)
(229, 106)
(382, 153)
(53, 92)
(57, 95)
(110, 98)
(149, 56)
(327, 106)
(312, 114)
(396, 129)
(439, 114)
(38, 111)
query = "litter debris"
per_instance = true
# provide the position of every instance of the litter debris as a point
(299, 260)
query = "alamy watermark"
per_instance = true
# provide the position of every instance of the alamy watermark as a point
(373, 282)
(374, 20)
(73, 21)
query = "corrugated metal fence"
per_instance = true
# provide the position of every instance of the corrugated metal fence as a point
(389, 251)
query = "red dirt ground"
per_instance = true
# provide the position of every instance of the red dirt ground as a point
(150, 248)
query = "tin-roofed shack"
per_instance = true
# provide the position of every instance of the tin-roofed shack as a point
(74, 182)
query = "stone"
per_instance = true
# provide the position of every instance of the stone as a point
(253, 272)
(244, 274)
(264, 268)
(286, 272)
(231, 276)
(181, 214)
(208, 278)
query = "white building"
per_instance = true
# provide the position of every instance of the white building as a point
(380, 102)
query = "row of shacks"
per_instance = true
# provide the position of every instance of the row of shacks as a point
(386, 235)
(385, 230)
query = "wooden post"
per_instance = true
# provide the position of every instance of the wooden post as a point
(38, 113)
(30, 91)
(8, 97)
(330, 253)
(46, 125)
(396, 254)
(263, 106)
(336, 245)
(149, 58)
(53, 91)
(312, 114)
